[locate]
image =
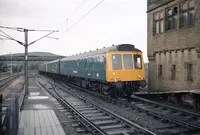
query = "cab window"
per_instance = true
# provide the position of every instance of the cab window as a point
(138, 61)
(128, 64)
(116, 62)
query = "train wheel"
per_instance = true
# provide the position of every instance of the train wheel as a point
(120, 93)
(106, 90)
(129, 90)
(114, 93)
(128, 93)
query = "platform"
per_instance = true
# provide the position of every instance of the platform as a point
(196, 91)
(37, 116)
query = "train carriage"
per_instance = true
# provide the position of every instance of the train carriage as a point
(53, 67)
(42, 67)
(116, 70)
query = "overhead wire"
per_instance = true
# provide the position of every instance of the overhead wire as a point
(41, 37)
(82, 17)
(42, 30)
(12, 28)
(22, 29)
(47, 35)
(11, 38)
(5, 36)
(63, 22)
(76, 10)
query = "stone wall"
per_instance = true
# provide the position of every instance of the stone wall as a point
(178, 47)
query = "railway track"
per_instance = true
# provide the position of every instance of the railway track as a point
(96, 119)
(172, 113)
(4, 82)
(181, 121)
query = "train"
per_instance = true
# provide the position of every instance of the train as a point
(116, 71)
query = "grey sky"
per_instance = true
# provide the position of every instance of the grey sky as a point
(113, 22)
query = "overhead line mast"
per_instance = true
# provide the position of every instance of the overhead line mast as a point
(8, 37)
(25, 44)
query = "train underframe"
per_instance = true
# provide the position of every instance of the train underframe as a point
(113, 89)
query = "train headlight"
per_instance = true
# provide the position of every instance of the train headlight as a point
(143, 83)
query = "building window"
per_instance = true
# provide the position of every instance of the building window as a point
(160, 71)
(191, 13)
(171, 18)
(158, 23)
(173, 72)
(189, 72)
(187, 13)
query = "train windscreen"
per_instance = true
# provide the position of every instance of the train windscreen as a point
(128, 64)
(138, 61)
(116, 62)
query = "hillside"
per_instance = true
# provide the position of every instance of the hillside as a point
(33, 54)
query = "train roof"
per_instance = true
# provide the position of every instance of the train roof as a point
(54, 61)
(50, 62)
(121, 47)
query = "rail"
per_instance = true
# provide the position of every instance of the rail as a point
(2, 73)
(83, 117)
(7, 80)
(151, 110)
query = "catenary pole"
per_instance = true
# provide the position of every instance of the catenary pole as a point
(26, 47)
(11, 65)
(26, 60)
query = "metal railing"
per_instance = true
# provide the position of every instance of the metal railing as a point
(10, 114)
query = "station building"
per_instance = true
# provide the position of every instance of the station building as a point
(173, 44)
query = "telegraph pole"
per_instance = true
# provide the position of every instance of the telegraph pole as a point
(26, 60)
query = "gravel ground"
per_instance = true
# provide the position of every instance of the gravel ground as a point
(134, 115)
(65, 117)
(129, 113)
(177, 105)
(15, 87)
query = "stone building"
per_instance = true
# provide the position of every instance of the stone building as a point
(174, 44)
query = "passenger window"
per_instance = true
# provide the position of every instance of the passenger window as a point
(116, 62)
(128, 64)
(104, 59)
(138, 61)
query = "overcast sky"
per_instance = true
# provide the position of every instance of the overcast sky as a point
(112, 22)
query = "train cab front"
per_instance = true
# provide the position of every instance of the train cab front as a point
(126, 70)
